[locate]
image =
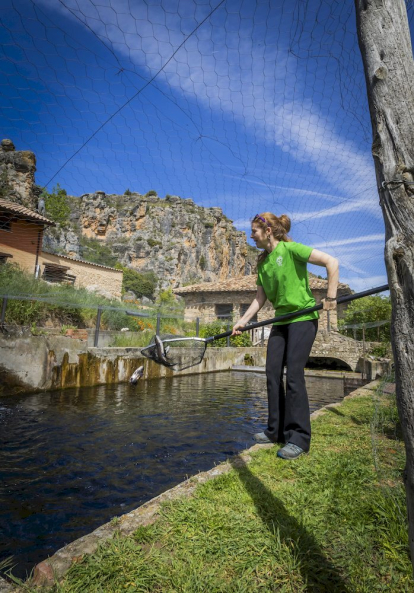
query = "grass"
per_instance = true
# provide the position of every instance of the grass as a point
(331, 521)
(63, 304)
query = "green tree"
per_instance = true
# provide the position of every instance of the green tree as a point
(57, 205)
(365, 311)
(141, 284)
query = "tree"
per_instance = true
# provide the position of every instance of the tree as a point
(368, 310)
(385, 44)
(57, 205)
(140, 284)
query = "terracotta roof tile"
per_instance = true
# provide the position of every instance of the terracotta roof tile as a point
(248, 283)
(82, 261)
(25, 213)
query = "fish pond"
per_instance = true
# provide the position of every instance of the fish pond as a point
(72, 460)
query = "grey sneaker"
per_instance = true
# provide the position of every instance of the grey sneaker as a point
(290, 451)
(262, 439)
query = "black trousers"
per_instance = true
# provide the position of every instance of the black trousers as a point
(289, 418)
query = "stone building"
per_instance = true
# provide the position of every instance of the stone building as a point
(21, 237)
(229, 299)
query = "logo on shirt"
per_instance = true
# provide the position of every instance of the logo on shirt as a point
(279, 260)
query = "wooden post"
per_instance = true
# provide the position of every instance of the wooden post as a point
(3, 311)
(385, 44)
(97, 327)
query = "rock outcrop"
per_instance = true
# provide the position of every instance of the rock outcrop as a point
(17, 169)
(174, 238)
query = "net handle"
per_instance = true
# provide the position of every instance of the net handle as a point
(344, 299)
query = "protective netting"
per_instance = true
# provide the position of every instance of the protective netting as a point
(177, 353)
(230, 103)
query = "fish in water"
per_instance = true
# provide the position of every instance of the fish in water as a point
(161, 352)
(136, 375)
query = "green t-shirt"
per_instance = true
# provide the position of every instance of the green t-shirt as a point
(284, 278)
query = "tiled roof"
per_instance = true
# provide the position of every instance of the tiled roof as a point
(248, 283)
(24, 212)
(82, 261)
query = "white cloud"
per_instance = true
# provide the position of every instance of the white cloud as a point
(359, 284)
(380, 238)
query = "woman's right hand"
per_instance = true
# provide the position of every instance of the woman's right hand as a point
(236, 327)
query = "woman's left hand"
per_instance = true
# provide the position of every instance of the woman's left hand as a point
(329, 305)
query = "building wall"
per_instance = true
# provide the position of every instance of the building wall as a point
(87, 274)
(21, 242)
(203, 305)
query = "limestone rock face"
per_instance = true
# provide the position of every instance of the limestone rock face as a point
(173, 237)
(17, 169)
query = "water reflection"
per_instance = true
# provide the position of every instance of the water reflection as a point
(71, 460)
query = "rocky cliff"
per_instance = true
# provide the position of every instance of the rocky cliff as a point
(17, 169)
(180, 242)
(173, 237)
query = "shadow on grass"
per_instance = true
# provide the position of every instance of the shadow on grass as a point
(338, 413)
(318, 573)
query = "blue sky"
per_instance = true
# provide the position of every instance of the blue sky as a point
(261, 108)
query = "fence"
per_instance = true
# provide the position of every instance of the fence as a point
(125, 325)
(103, 325)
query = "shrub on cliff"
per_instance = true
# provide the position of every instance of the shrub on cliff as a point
(97, 252)
(57, 205)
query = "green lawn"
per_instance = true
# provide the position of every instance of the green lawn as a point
(333, 520)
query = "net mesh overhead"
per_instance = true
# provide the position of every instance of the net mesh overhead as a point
(230, 103)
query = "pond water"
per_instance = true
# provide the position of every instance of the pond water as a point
(71, 460)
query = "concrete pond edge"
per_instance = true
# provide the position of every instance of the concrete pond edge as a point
(54, 568)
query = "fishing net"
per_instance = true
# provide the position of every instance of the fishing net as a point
(174, 352)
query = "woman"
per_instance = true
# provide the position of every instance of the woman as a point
(283, 279)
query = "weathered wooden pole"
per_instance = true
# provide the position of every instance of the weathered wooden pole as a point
(385, 44)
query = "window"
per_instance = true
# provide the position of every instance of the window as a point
(5, 222)
(56, 273)
(243, 309)
(224, 311)
(4, 257)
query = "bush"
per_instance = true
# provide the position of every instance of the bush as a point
(154, 243)
(97, 252)
(127, 192)
(151, 192)
(141, 284)
(218, 327)
(57, 205)
(71, 306)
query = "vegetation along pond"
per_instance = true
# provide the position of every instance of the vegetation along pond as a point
(71, 460)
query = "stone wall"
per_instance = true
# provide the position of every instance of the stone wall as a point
(39, 363)
(203, 306)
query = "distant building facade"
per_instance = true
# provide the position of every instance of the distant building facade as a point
(230, 299)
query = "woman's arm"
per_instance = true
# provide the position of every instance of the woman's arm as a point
(256, 305)
(319, 258)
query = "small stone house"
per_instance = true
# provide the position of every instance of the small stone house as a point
(21, 237)
(229, 299)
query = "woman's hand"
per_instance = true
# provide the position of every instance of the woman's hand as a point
(329, 305)
(236, 327)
